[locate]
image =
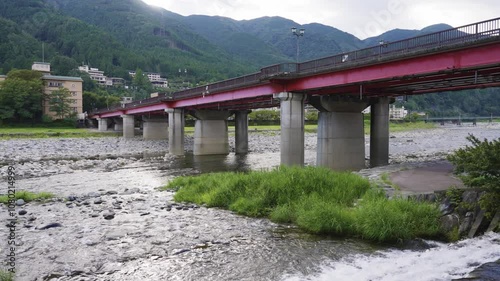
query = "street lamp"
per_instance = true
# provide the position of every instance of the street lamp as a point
(298, 33)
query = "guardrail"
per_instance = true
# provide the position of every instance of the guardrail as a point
(461, 35)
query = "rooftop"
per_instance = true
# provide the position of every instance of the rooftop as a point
(37, 62)
(63, 78)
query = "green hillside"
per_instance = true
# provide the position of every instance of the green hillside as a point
(118, 36)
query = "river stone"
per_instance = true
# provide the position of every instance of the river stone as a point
(111, 192)
(20, 202)
(446, 207)
(108, 214)
(180, 251)
(98, 201)
(71, 198)
(115, 235)
(467, 223)
(131, 191)
(50, 225)
(486, 272)
(470, 196)
(449, 222)
(22, 212)
(93, 194)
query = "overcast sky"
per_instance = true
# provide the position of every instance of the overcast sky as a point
(363, 18)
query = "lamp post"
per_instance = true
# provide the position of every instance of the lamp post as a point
(298, 33)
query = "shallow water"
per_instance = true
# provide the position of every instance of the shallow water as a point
(146, 242)
(443, 262)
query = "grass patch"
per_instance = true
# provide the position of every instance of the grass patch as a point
(387, 181)
(308, 128)
(316, 199)
(6, 276)
(10, 133)
(409, 126)
(27, 196)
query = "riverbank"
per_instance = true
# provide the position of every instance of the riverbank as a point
(112, 223)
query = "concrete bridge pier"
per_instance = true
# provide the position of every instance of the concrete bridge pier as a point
(341, 137)
(292, 128)
(103, 124)
(175, 131)
(155, 127)
(210, 132)
(379, 132)
(118, 124)
(241, 128)
(128, 126)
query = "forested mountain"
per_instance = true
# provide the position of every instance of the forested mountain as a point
(118, 36)
(401, 34)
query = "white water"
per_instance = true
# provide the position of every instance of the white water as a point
(444, 262)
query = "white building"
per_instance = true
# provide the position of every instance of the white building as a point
(43, 67)
(155, 79)
(394, 112)
(95, 74)
(397, 113)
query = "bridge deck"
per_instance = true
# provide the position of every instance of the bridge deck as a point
(455, 59)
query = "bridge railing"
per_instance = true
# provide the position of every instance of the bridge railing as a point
(233, 83)
(446, 38)
(139, 103)
(464, 34)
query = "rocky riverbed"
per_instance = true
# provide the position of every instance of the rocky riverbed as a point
(109, 221)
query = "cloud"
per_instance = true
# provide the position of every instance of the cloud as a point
(359, 17)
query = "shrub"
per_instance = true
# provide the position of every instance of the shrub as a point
(478, 166)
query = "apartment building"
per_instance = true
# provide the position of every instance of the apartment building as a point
(53, 83)
(73, 84)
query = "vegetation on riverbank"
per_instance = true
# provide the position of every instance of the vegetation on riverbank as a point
(6, 276)
(478, 165)
(310, 128)
(29, 132)
(316, 199)
(27, 196)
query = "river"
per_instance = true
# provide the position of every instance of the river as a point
(150, 237)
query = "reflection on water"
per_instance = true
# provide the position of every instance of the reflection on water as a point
(231, 162)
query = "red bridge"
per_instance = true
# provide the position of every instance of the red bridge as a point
(340, 86)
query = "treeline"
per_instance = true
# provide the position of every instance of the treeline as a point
(479, 102)
(124, 40)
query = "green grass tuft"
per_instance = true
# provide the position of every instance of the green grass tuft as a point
(15, 133)
(6, 276)
(316, 199)
(27, 196)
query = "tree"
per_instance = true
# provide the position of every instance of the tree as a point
(98, 100)
(21, 96)
(62, 65)
(479, 167)
(59, 101)
(141, 81)
(479, 164)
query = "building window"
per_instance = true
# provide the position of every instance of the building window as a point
(55, 84)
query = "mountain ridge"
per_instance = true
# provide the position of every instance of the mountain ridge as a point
(137, 35)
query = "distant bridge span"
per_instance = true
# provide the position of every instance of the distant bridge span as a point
(466, 57)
